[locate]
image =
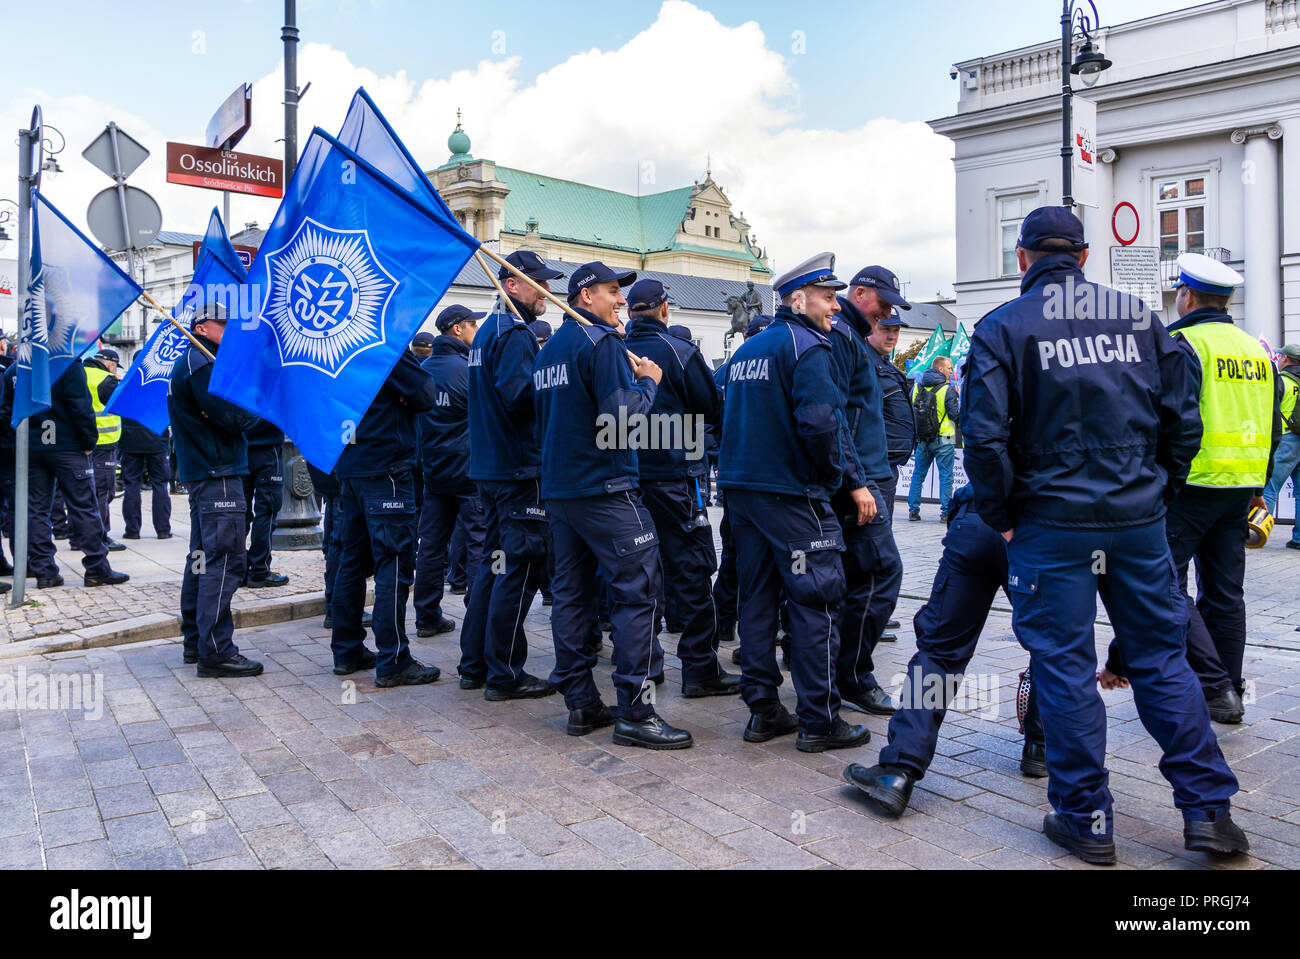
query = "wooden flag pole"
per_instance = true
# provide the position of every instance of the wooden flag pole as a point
(171, 319)
(500, 292)
(540, 289)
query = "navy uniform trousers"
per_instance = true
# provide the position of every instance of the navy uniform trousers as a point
(1210, 527)
(105, 465)
(1054, 576)
(616, 532)
(134, 466)
(75, 475)
(725, 591)
(214, 568)
(439, 515)
(795, 542)
(264, 492)
(376, 531)
(458, 553)
(492, 642)
(971, 570)
(873, 571)
(686, 554)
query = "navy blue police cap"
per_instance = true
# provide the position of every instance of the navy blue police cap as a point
(456, 314)
(422, 339)
(1049, 223)
(681, 332)
(758, 324)
(893, 319)
(884, 282)
(647, 295)
(596, 272)
(541, 329)
(531, 265)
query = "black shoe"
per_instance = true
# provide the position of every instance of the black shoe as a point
(914, 517)
(893, 624)
(266, 581)
(888, 638)
(1292, 544)
(1033, 759)
(589, 718)
(888, 787)
(651, 733)
(528, 687)
(444, 625)
(735, 656)
(130, 535)
(943, 518)
(328, 621)
(234, 667)
(1227, 707)
(111, 578)
(769, 723)
(5, 587)
(366, 660)
(115, 547)
(604, 626)
(6, 568)
(728, 684)
(874, 700)
(189, 656)
(841, 736)
(1098, 852)
(414, 674)
(469, 682)
(164, 535)
(456, 590)
(49, 581)
(1222, 837)
(657, 679)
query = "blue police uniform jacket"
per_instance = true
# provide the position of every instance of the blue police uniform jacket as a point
(138, 438)
(583, 373)
(207, 430)
(781, 426)
(1081, 409)
(502, 429)
(264, 433)
(444, 430)
(68, 423)
(895, 408)
(857, 380)
(686, 390)
(385, 438)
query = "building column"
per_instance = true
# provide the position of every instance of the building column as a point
(1262, 228)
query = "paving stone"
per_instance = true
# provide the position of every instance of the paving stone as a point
(70, 826)
(175, 778)
(125, 800)
(141, 833)
(278, 847)
(356, 849)
(215, 840)
(257, 811)
(82, 856)
(164, 857)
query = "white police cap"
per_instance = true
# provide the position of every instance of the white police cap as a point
(1208, 275)
(817, 270)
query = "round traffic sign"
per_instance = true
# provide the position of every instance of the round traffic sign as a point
(104, 215)
(1124, 221)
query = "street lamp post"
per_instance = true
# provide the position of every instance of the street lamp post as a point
(1089, 65)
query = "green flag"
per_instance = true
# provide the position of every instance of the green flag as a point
(960, 347)
(937, 345)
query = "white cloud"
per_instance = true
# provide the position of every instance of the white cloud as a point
(684, 88)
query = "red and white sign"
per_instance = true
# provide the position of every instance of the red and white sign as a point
(200, 166)
(1124, 223)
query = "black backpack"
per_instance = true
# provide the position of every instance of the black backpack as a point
(1294, 423)
(926, 409)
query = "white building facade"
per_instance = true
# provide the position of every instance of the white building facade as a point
(1197, 149)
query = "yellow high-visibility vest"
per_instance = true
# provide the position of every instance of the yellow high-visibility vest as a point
(110, 426)
(1237, 390)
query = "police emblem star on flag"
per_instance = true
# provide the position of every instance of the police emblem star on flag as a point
(327, 295)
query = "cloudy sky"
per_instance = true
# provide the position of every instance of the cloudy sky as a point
(813, 115)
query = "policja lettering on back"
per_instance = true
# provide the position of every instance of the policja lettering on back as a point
(1089, 349)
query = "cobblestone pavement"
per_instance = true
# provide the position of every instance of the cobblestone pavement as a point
(297, 768)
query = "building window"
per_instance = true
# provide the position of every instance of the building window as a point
(1012, 211)
(1180, 212)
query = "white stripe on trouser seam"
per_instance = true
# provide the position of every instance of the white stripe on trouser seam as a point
(830, 679)
(519, 615)
(224, 562)
(397, 635)
(861, 626)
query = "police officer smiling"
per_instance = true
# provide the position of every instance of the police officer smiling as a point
(583, 381)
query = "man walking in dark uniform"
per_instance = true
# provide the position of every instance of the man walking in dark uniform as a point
(264, 493)
(145, 452)
(211, 459)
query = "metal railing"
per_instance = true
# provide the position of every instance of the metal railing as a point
(1169, 262)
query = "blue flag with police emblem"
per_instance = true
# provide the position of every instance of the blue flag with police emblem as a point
(74, 292)
(350, 268)
(218, 276)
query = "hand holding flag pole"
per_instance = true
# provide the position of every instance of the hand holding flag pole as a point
(171, 319)
(539, 288)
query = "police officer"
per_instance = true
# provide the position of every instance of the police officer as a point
(674, 484)
(1080, 423)
(1286, 459)
(873, 570)
(505, 462)
(422, 345)
(449, 494)
(784, 441)
(264, 494)
(895, 401)
(1238, 400)
(211, 458)
(377, 528)
(101, 377)
(589, 396)
(542, 330)
(144, 451)
(971, 570)
(61, 440)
